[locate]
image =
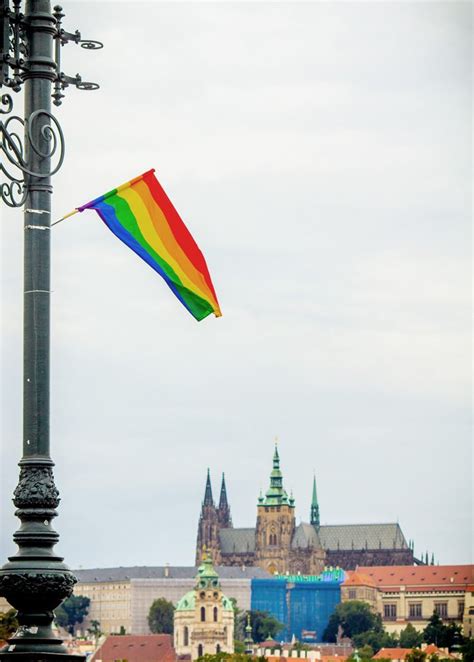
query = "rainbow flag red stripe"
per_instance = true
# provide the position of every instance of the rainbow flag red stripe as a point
(141, 215)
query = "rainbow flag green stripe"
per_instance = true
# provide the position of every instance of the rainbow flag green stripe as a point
(141, 215)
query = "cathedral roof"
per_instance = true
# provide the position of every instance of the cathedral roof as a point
(330, 537)
(305, 536)
(238, 541)
(361, 536)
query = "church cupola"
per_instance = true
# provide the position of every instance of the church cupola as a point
(314, 506)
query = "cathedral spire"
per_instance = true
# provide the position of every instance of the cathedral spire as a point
(208, 500)
(276, 494)
(223, 503)
(276, 457)
(223, 511)
(315, 506)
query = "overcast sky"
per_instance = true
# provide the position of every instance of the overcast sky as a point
(321, 155)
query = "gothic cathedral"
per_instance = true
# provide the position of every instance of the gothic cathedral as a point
(276, 544)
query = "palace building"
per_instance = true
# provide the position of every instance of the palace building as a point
(278, 545)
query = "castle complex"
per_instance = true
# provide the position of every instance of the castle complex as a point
(277, 544)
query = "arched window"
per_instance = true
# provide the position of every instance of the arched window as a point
(215, 614)
(218, 648)
(186, 635)
(200, 650)
(203, 613)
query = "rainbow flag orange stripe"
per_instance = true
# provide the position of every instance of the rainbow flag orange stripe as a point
(141, 215)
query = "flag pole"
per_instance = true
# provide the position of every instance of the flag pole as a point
(64, 217)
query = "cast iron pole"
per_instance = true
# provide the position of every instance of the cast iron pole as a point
(35, 580)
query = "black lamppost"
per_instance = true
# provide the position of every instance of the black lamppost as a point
(35, 580)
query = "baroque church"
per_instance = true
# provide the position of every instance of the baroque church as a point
(279, 545)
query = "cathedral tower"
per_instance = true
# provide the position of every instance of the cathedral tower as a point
(275, 523)
(208, 527)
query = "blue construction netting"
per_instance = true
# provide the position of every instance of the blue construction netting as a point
(304, 607)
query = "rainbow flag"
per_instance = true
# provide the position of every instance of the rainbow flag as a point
(141, 215)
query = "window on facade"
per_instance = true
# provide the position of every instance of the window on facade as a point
(414, 610)
(203, 613)
(352, 594)
(200, 650)
(186, 636)
(218, 648)
(215, 614)
(460, 609)
(441, 608)
(390, 612)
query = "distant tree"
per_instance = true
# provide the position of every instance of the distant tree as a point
(365, 652)
(264, 626)
(240, 621)
(467, 650)
(94, 629)
(230, 657)
(122, 630)
(410, 637)
(376, 639)
(355, 617)
(160, 617)
(443, 636)
(8, 624)
(416, 655)
(72, 612)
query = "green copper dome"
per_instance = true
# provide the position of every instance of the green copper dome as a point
(207, 578)
(187, 602)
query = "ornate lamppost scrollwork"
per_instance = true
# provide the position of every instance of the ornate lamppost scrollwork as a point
(45, 138)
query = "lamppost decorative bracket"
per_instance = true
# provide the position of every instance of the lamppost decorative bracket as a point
(44, 137)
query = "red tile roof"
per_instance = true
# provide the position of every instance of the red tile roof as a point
(392, 653)
(356, 578)
(431, 649)
(136, 648)
(421, 577)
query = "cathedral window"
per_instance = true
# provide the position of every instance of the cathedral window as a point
(200, 650)
(218, 648)
(186, 635)
(202, 595)
(203, 613)
(215, 616)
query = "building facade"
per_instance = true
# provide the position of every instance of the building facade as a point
(410, 594)
(122, 597)
(204, 617)
(278, 545)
